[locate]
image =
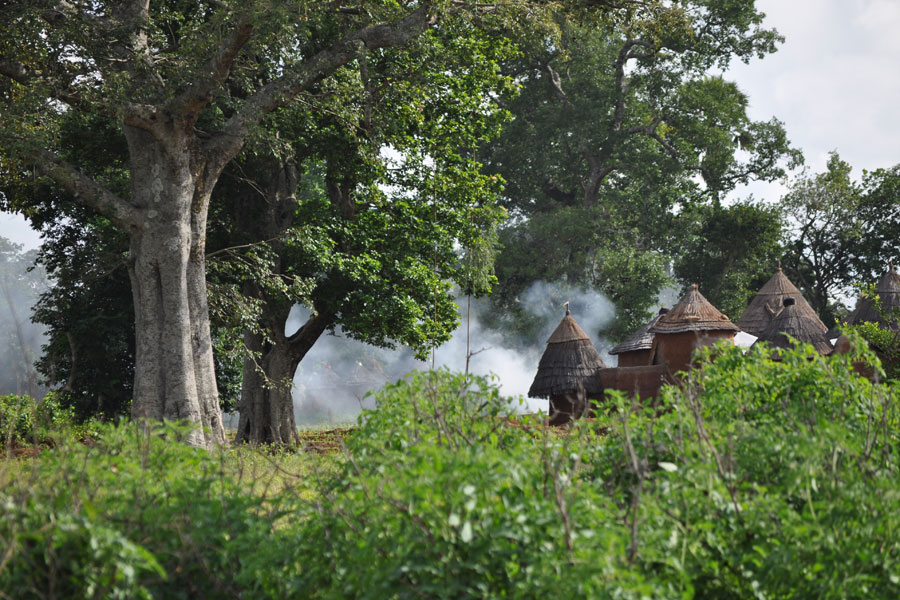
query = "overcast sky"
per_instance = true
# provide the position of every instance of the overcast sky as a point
(835, 83)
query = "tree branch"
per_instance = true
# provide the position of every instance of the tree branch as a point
(85, 190)
(280, 91)
(304, 338)
(25, 75)
(556, 84)
(217, 69)
(620, 85)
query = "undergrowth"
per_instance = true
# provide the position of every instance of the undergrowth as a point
(758, 478)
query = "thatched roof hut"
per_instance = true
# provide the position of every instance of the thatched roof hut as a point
(888, 291)
(690, 324)
(567, 363)
(637, 349)
(693, 313)
(769, 301)
(794, 322)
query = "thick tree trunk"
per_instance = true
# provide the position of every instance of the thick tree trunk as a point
(267, 407)
(174, 372)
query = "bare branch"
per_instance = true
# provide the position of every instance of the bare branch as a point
(303, 339)
(85, 190)
(620, 85)
(556, 84)
(242, 246)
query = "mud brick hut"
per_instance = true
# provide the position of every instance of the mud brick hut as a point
(770, 300)
(888, 291)
(564, 371)
(643, 382)
(637, 349)
(692, 323)
(793, 321)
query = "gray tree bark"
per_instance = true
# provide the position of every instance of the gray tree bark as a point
(267, 407)
(174, 369)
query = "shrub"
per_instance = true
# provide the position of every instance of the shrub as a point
(443, 495)
(135, 514)
(755, 478)
(25, 421)
(765, 478)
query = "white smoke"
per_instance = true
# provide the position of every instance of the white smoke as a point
(327, 388)
(21, 283)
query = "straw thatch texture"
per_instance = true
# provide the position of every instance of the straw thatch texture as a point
(792, 321)
(565, 368)
(641, 339)
(888, 290)
(693, 313)
(568, 361)
(769, 301)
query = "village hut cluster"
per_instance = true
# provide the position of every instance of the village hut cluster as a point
(572, 376)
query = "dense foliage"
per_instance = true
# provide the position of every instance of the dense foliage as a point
(840, 232)
(730, 252)
(619, 129)
(758, 478)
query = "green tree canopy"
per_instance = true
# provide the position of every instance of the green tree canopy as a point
(730, 252)
(620, 130)
(187, 85)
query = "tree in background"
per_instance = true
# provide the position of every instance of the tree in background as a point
(20, 340)
(730, 252)
(840, 232)
(879, 210)
(616, 130)
(567, 248)
(88, 313)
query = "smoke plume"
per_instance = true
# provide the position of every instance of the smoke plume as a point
(332, 380)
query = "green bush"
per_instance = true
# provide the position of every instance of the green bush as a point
(885, 341)
(444, 496)
(757, 478)
(134, 514)
(26, 421)
(766, 478)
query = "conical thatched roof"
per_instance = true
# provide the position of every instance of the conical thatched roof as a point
(794, 322)
(693, 313)
(567, 362)
(769, 301)
(641, 339)
(888, 290)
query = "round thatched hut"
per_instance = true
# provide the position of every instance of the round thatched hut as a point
(768, 302)
(637, 349)
(691, 324)
(794, 322)
(888, 291)
(564, 371)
